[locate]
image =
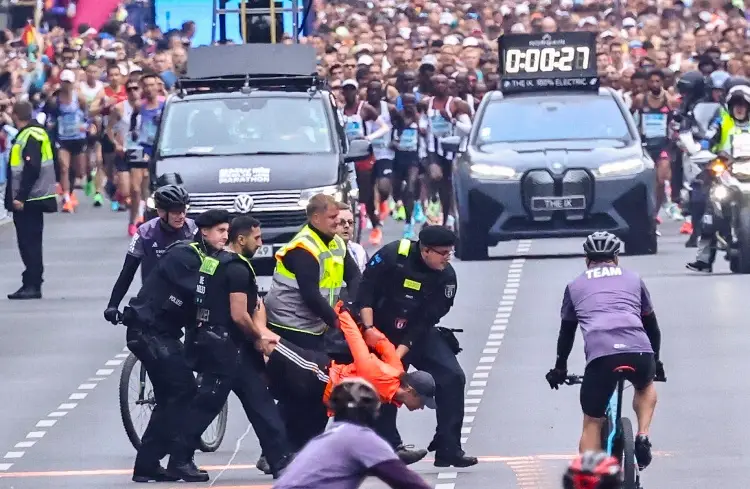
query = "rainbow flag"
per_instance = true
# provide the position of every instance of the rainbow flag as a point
(30, 36)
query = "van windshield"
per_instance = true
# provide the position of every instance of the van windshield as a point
(247, 125)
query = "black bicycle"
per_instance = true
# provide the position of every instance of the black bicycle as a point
(140, 397)
(618, 438)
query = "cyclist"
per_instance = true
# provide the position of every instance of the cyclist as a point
(613, 307)
(353, 451)
(593, 470)
(151, 240)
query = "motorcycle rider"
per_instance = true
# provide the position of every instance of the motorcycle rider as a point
(731, 136)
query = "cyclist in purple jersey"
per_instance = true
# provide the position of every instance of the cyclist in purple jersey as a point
(619, 327)
(151, 240)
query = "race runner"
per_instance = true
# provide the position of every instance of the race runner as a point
(90, 89)
(613, 308)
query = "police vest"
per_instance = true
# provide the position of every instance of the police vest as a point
(284, 305)
(729, 130)
(211, 294)
(44, 186)
(406, 290)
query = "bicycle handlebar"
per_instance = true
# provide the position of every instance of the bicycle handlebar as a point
(578, 379)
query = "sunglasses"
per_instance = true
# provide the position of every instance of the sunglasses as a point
(346, 222)
(444, 254)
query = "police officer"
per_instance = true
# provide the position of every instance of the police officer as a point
(155, 318)
(151, 240)
(406, 289)
(29, 194)
(222, 342)
(310, 272)
(732, 138)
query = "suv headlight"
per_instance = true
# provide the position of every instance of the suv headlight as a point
(621, 168)
(332, 190)
(481, 171)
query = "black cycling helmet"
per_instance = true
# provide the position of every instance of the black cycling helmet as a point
(601, 245)
(691, 83)
(593, 470)
(171, 197)
(717, 80)
(355, 400)
(735, 81)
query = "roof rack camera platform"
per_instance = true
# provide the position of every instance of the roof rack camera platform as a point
(232, 67)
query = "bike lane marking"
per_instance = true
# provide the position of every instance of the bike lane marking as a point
(42, 426)
(478, 382)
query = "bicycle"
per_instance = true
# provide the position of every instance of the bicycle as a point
(144, 398)
(618, 438)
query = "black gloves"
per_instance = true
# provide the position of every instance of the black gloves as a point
(556, 377)
(660, 375)
(112, 315)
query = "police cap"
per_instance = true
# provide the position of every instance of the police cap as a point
(437, 236)
(212, 218)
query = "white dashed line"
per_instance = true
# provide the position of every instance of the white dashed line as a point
(491, 348)
(62, 410)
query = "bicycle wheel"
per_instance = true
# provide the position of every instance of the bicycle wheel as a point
(135, 396)
(213, 436)
(630, 471)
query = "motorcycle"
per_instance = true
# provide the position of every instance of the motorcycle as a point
(727, 179)
(696, 127)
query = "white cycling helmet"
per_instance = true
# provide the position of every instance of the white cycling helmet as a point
(740, 92)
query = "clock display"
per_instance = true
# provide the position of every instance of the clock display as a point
(549, 58)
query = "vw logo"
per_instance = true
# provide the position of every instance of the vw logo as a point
(556, 166)
(243, 203)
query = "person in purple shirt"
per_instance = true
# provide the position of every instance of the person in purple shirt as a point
(614, 310)
(349, 450)
(151, 240)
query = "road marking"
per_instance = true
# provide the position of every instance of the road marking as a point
(62, 410)
(492, 345)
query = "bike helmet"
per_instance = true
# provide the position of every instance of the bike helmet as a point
(738, 93)
(736, 81)
(355, 400)
(601, 245)
(171, 197)
(593, 470)
(717, 80)
(691, 83)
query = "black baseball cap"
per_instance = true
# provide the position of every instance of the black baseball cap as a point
(424, 385)
(212, 218)
(437, 236)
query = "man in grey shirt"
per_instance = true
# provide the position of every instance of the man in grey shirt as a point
(613, 308)
(349, 451)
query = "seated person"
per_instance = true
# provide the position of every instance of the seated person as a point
(310, 373)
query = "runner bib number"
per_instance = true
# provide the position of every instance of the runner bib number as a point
(408, 140)
(353, 130)
(70, 125)
(440, 126)
(654, 125)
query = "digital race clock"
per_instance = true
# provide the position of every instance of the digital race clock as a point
(548, 61)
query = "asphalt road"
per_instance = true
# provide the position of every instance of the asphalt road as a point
(59, 369)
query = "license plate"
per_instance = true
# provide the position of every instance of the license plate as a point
(266, 251)
(572, 203)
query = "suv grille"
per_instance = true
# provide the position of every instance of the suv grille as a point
(272, 209)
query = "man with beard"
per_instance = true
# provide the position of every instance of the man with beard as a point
(382, 171)
(229, 313)
(356, 114)
(446, 116)
(653, 111)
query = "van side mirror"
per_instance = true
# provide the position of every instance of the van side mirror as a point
(450, 143)
(359, 149)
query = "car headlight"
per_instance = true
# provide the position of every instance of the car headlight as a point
(620, 168)
(482, 171)
(332, 190)
(741, 168)
(719, 192)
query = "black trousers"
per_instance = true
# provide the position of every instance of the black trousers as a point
(174, 390)
(29, 234)
(248, 382)
(304, 418)
(433, 355)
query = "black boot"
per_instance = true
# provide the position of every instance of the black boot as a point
(186, 471)
(458, 459)
(263, 465)
(409, 455)
(154, 473)
(26, 292)
(699, 266)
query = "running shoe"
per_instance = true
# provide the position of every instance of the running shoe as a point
(376, 236)
(643, 451)
(408, 231)
(98, 200)
(687, 228)
(132, 229)
(384, 211)
(419, 216)
(399, 213)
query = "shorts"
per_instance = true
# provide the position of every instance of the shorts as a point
(445, 164)
(92, 140)
(121, 164)
(600, 379)
(382, 169)
(365, 165)
(73, 146)
(108, 147)
(405, 159)
(302, 372)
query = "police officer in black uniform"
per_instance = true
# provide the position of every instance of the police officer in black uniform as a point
(406, 289)
(222, 343)
(155, 318)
